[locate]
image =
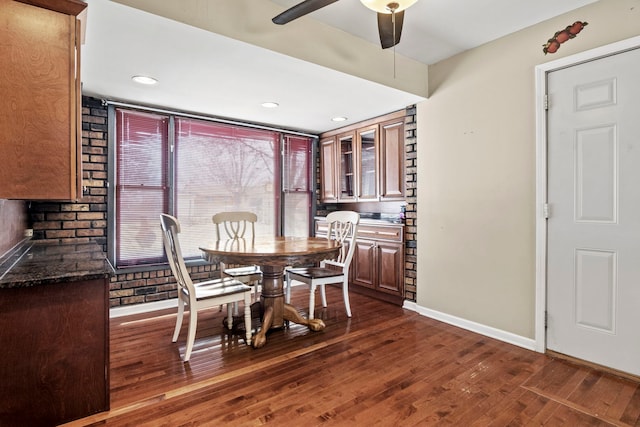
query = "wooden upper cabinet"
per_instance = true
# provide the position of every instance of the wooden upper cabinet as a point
(392, 152)
(40, 112)
(328, 160)
(369, 159)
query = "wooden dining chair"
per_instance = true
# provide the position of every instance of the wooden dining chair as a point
(239, 227)
(342, 226)
(201, 295)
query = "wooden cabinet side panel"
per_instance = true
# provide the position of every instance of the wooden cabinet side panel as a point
(75, 175)
(390, 267)
(38, 111)
(392, 148)
(55, 352)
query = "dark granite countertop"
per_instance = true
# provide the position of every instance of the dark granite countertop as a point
(376, 218)
(41, 262)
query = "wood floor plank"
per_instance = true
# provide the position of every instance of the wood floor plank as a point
(384, 366)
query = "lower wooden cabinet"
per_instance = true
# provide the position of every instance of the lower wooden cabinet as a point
(54, 365)
(377, 268)
(378, 262)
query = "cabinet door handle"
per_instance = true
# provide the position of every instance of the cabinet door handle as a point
(366, 232)
(381, 233)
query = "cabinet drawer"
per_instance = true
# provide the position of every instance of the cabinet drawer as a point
(392, 233)
(379, 232)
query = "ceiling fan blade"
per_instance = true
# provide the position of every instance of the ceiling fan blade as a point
(301, 9)
(385, 28)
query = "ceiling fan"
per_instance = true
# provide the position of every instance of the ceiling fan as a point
(390, 16)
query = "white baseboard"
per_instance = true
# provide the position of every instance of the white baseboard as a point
(147, 307)
(478, 328)
(127, 310)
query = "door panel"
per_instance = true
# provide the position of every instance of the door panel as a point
(390, 267)
(392, 152)
(364, 265)
(593, 252)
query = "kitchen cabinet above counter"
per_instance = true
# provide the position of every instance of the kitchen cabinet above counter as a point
(364, 162)
(40, 112)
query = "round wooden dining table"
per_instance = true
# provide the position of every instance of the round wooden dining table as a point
(273, 255)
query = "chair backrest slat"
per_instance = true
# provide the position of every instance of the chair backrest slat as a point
(170, 231)
(235, 225)
(343, 226)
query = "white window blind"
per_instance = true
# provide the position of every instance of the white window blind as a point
(201, 168)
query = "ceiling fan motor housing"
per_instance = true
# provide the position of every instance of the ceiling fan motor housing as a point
(385, 6)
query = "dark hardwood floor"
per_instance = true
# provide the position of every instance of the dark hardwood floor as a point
(385, 366)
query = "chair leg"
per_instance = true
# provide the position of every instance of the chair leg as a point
(323, 295)
(247, 317)
(345, 295)
(236, 311)
(179, 317)
(191, 334)
(255, 294)
(287, 292)
(312, 300)
(232, 308)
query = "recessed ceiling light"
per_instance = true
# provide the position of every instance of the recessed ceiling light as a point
(145, 80)
(270, 104)
(339, 119)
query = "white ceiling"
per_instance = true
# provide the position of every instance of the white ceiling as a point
(437, 29)
(209, 74)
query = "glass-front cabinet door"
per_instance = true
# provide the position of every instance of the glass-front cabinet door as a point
(347, 155)
(368, 163)
(329, 170)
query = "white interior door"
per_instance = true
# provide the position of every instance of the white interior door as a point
(593, 252)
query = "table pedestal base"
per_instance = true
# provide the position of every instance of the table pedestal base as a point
(291, 314)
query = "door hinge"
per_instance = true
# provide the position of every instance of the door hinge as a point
(546, 211)
(546, 319)
(545, 102)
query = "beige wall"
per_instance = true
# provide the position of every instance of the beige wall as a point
(476, 170)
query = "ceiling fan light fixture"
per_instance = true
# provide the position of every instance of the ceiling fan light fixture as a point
(386, 6)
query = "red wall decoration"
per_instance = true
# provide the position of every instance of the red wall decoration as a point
(553, 44)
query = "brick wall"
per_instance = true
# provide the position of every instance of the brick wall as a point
(86, 219)
(411, 196)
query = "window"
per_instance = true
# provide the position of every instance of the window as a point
(193, 168)
(296, 188)
(141, 185)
